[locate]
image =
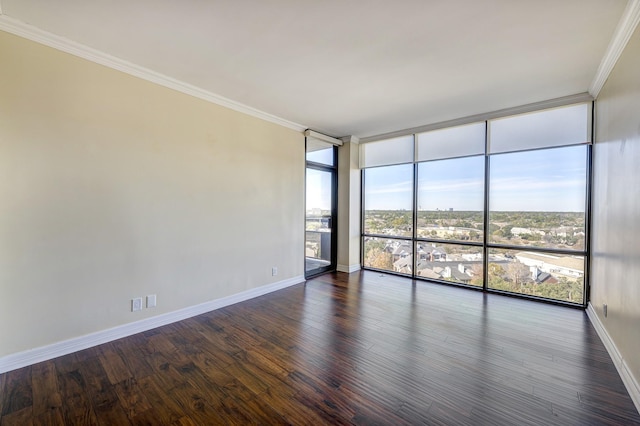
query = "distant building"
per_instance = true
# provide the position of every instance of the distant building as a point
(403, 265)
(541, 277)
(556, 265)
(447, 270)
(458, 273)
(522, 231)
(519, 231)
(431, 253)
(402, 250)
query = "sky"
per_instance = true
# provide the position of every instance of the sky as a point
(318, 189)
(552, 179)
(542, 180)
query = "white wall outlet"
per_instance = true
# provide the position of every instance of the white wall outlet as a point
(151, 301)
(274, 271)
(136, 304)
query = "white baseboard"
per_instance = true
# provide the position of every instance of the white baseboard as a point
(628, 379)
(348, 269)
(44, 353)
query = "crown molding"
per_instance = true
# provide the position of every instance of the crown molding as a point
(626, 26)
(351, 139)
(46, 38)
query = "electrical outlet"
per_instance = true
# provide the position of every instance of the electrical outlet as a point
(136, 304)
(274, 271)
(151, 301)
(604, 309)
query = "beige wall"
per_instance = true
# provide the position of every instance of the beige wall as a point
(112, 187)
(616, 206)
(348, 206)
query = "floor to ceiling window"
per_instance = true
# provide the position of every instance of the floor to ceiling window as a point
(388, 206)
(500, 204)
(320, 216)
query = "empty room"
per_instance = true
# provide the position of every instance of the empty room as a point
(287, 212)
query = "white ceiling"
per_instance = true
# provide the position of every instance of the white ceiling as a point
(359, 67)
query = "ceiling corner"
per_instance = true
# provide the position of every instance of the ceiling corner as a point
(35, 34)
(623, 32)
(350, 139)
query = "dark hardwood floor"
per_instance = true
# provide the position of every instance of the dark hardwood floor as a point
(340, 349)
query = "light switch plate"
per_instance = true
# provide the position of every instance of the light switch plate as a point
(151, 301)
(136, 304)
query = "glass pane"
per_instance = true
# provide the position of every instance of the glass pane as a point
(320, 152)
(537, 198)
(451, 199)
(388, 200)
(387, 152)
(388, 254)
(543, 129)
(318, 220)
(552, 276)
(451, 142)
(450, 262)
(323, 156)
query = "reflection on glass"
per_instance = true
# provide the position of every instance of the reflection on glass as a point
(388, 200)
(537, 198)
(318, 219)
(548, 275)
(451, 199)
(450, 262)
(388, 254)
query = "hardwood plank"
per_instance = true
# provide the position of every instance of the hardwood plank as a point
(117, 371)
(210, 370)
(292, 410)
(364, 348)
(18, 391)
(101, 392)
(184, 421)
(46, 394)
(195, 404)
(258, 412)
(131, 397)
(164, 372)
(3, 381)
(51, 417)
(132, 355)
(22, 417)
(164, 409)
(66, 363)
(76, 406)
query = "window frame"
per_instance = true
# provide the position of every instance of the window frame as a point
(485, 244)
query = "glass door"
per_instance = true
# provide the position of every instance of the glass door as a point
(320, 235)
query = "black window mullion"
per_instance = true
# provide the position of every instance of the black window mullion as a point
(486, 245)
(485, 234)
(414, 264)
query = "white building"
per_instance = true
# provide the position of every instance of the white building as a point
(556, 265)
